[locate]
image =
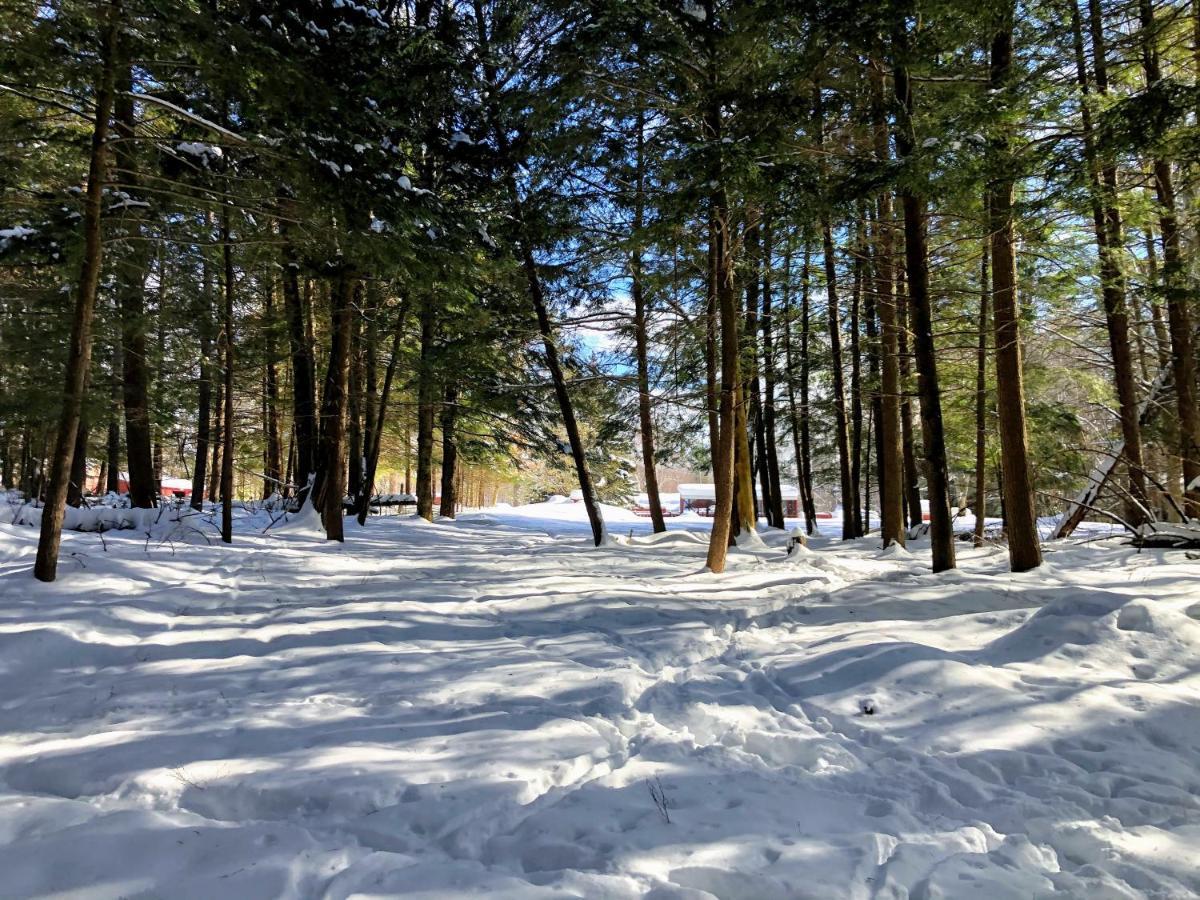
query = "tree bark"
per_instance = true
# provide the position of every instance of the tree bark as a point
(745, 511)
(1024, 549)
(748, 451)
(354, 398)
(838, 378)
(723, 476)
(806, 473)
(76, 486)
(218, 429)
(304, 378)
(79, 353)
(917, 268)
(112, 451)
(330, 483)
(641, 342)
(204, 388)
(856, 407)
(159, 374)
(449, 452)
(368, 487)
(274, 450)
(131, 297)
(891, 452)
(426, 407)
(227, 427)
(371, 381)
(775, 515)
(985, 293)
(712, 390)
(790, 365)
(534, 285)
(841, 423)
(911, 493)
(722, 292)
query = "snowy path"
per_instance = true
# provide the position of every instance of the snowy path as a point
(484, 707)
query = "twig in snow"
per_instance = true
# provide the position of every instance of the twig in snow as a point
(659, 795)
(183, 779)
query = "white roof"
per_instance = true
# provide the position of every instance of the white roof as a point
(665, 500)
(709, 491)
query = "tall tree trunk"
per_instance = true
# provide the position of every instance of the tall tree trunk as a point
(408, 484)
(354, 405)
(291, 462)
(304, 377)
(25, 481)
(912, 480)
(43, 465)
(1174, 277)
(645, 419)
(79, 353)
(227, 427)
(806, 473)
(1106, 219)
(838, 387)
(204, 388)
(745, 508)
(160, 374)
(985, 293)
(875, 407)
(371, 382)
(534, 284)
(712, 391)
(730, 385)
(274, 448)
(368, 488)
(1162, 346)
(567, 410)
(792, 366)
(770, 424)
(937, 477)
(218, 429)
(722, 291)
(748, 457)
(1024, 549)
(131, 296)
(449, 451)
(641, 343)
(330, 485)
(78, 477)
(891, 452)
(112, 450)
(856, 408)
(426, 408)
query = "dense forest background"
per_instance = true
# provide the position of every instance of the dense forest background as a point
(904, 251)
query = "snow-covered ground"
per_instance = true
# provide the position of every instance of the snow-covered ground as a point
(491, 706)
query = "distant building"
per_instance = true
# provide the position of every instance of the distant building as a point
(701, 498)
(177, 488)
(671, 504)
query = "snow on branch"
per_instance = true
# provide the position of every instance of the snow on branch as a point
(190, 116)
